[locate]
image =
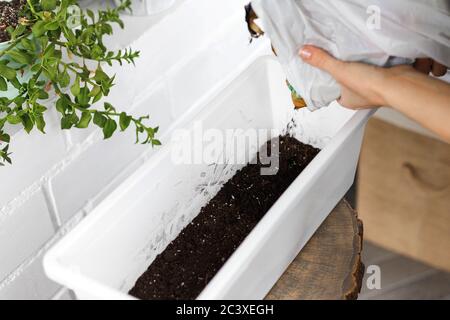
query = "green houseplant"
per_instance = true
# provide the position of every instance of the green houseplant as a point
(53, 59)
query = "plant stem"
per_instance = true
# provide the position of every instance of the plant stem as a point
(31, 6)
(12, 45)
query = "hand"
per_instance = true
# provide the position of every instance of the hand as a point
(357, 80)
(362, 85)
(420, 97)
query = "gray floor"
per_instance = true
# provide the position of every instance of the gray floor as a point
(403, 278)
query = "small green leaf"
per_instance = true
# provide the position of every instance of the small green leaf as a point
(19, 101)
(66, 123)
(95, 90)
(36, 68)
(97, 97)
(83, 97)
(16, 83)
(64, 79)
(156, 142)
(7, 72)
(43, 41)
(40, 123)
(3, 84)
(61, 105)
(99, 119)
(86, 118)
(13, 119)
(100, 76)
(109, 128)
(52, 26)
(39, 108)
(27, 122)
(4, 137)
(124, 121)
(28, 44)
(18, 31)
(43, 95)
(48, 5)
(39, 28)
(50, 72)
(108, 106)
(75, 89)
(49, 51)
(74, 118)
(91, 15)
(20, 56)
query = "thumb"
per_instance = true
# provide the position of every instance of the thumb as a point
(320, 59)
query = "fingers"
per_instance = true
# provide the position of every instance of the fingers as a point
(438, 69)
(352, 100)
(426, 65)
(347, 73)
(423, 65)
(361, 84)
(320, 59)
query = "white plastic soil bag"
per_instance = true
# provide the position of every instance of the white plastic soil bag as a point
(379, 32)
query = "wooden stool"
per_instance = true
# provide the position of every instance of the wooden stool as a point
(329, 266)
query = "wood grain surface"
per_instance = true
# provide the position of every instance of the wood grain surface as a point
(329, 266)
(404, 193)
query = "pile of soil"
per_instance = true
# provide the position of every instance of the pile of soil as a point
(9, 16)
(184, 269)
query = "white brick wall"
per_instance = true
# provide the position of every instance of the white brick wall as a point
(58, 178)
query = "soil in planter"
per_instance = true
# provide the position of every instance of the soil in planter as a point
(189, 262)
(9, 16)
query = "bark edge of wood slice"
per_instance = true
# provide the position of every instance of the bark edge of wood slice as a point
(329, 266)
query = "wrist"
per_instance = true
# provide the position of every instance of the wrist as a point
(391, 81)
(381, 85)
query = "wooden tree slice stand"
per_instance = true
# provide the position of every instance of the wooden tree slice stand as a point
(329, 266)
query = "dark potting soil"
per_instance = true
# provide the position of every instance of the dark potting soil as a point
(9, 16)
(189, 262)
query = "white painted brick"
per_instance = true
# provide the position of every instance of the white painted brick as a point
(165, 41)
(157, 103)
(32, 155)
(23, 232)
(92, 172)
(136, 26)
(180, 35)
(188, 82)
(105, 160)
(122, 96)
(31, 284)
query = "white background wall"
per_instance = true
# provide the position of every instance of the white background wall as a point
(56, 179)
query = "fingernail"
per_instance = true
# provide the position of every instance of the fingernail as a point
(305, 53)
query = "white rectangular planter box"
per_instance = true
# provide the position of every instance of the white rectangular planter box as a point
(105, 254)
